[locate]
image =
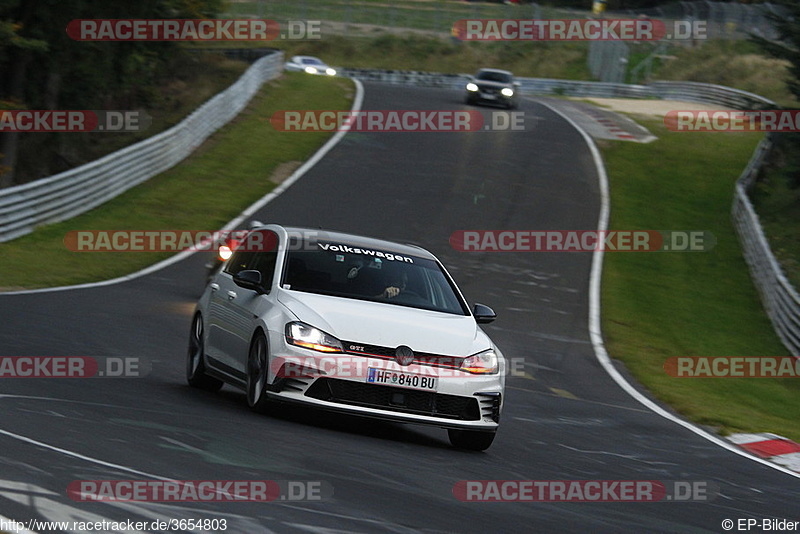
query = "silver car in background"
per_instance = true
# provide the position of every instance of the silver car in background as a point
(309, 65)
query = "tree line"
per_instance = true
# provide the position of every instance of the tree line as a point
(41, 67)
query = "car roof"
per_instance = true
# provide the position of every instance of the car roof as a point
(500, 71)
(359, 241)
(308, 57)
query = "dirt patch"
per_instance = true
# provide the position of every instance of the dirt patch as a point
(284, 170)
(650, 108)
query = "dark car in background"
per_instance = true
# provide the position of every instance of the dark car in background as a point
(493, 86)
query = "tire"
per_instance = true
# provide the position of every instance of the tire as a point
(195, 367)
(257, 369)
(473, 440)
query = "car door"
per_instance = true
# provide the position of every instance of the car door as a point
(234, 310)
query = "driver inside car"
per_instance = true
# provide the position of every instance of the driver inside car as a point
(397, 285)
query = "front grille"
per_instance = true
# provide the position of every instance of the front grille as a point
(395, 399)
(388, 353)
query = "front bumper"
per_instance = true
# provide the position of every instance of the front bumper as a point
(491, 96)
(339, 383)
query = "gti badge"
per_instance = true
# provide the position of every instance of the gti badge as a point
(403, 355)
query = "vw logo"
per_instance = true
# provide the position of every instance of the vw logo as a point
(403, 355)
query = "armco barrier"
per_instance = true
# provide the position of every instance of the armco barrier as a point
(407, 77)
(706, 93)
(687, 91)
(779, 297)
(70, 193)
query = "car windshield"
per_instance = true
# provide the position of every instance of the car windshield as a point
(492, 76)
(311, 61)
(348, 271)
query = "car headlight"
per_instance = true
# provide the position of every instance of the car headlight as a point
(330, 72)
(306, 336)
(483, 363)
(226, 249)
(225, 252)
(472, 87)
(507, 92)
(311, 70)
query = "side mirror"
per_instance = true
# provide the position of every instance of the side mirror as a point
(517, 84)
(483, 314)
(249, 279)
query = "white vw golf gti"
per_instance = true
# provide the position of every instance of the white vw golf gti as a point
(352, 324)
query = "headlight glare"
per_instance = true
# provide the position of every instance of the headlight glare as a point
(483, 363)
(311, 70)
(507, 92)
(472, 87)
(225, 252)
(306, 336)
(330, 72)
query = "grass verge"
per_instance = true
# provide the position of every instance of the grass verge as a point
(427, 15)
(233, 169)
(738, 64)
(662, 304)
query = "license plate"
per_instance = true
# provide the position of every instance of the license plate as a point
(403, 380)
(490, 97)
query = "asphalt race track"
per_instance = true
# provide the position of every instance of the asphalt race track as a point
(564, 420)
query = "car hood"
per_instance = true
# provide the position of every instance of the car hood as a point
(388, 325)
(491, 85)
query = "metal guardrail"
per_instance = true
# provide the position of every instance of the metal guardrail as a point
(707, 93)
(70, 193)
(687, 91)
(547, 86)
(406, 77)
(780, 298)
